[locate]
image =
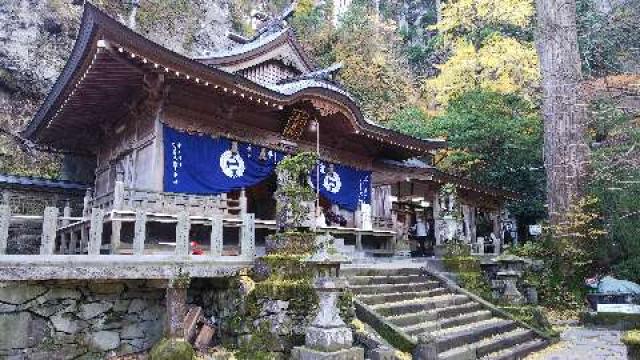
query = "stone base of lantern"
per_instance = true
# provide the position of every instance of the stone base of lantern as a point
(304, 353)
(328, 339)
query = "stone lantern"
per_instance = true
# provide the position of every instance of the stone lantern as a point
(328, 337)
(510, 271)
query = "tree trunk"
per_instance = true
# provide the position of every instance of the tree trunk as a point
(566, 153)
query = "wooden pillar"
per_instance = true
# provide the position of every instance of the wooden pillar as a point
(139, 232)
(95, 233)
(182, 234)
(248, 236)
(217, 229)
(436, 217)
(49, 227)
(5, 221)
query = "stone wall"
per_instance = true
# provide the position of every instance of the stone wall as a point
(276, 323)
(79, 319)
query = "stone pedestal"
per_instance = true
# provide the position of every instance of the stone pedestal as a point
(328, 337)
(510, 293)
(303, 353)
(176, 298)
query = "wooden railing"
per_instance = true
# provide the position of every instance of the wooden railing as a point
(67, 235)
(124, 198)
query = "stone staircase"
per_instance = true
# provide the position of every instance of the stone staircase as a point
(404, 305)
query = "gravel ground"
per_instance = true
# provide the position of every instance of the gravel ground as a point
(582, 343)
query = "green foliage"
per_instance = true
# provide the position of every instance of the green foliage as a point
(631, 337)
(473, 19)
(501, 64)
(346, 307)
(533, 316)
(615, 183)
(609, 41)
(494, 138)
(172, 349)
(260, 345)
(462, 264)
(614, 320)
(556, 289)
(628, 269)
(492, 49)
(473, 280)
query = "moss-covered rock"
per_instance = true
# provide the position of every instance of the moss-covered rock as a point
(631, 339)
(172, 349)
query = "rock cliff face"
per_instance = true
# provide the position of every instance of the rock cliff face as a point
(36, 37)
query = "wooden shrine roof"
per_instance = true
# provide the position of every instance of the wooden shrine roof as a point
(393, 172)
(109, 67)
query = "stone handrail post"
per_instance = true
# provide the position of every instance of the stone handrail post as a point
(248, 236)
(5, 220)
(86, 207)
(49, 227)
(243, 201)
(64, 237)
(216, 233)
(95, 232)
(182, 234)
(139, 232)
(118, 204)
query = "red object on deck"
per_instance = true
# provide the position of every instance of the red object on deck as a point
(196, 249)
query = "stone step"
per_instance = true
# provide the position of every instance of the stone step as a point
(392, 279)
(392, 288)
(380, 272)
(453, 311)
(419, 304)
(464, 319)
(519, 351)
(374, 299)
(489, 345)
(503, 341)
(431, 326)
(435, 314)
(466, 334)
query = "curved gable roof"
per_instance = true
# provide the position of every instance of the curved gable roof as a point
(97, 27)
(274, 45)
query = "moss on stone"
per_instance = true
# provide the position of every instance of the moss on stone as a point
(462, 264)
(533, 316)
(615, 320)
(172, 349)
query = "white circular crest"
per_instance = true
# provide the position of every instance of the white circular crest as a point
(232, 164)
(332, 182)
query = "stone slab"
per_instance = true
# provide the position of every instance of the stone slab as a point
(114, 267)
(304, 353)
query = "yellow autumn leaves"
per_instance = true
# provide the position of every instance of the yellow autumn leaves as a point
(482, 55)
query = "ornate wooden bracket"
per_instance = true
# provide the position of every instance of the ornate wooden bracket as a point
(296, 123)
(325, 108)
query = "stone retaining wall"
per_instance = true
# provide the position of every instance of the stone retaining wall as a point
(79, 319)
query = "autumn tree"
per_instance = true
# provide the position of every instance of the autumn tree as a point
(491, 47)
(565, 150)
